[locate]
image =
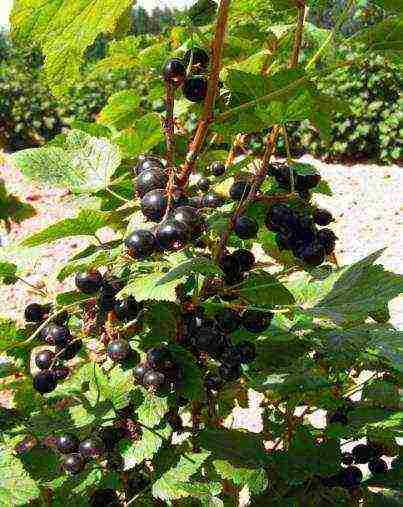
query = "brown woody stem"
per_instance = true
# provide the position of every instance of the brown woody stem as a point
(170, 142)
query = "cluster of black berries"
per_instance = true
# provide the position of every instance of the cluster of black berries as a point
(298, 232)
(303, 183)
(188, 73)
(57, 335)
(159, 370)
(76, 453)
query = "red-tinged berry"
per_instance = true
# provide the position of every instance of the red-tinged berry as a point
(246, 227)
(89, 283)
(141, 244)
(172, 235)
(126, 309)
(92, 447)
(195, 88)
(175, 71)
(118, 350)
(44, 382)
(73, 463)
(255, 321)
(154, 204)
(246, 351)
(245, 258)
(151, 179)
(378, 466)
(153, 378)
(44, 359)
(148, 162)
(35, 312)
(196, 57)
(67, 443)
(217, 169)
(322, 217)
(104, 498)
(240, 190)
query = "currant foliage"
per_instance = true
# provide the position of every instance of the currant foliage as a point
(219, 291)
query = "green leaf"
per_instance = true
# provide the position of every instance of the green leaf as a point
(360, 289)
(255, 480)
(87, 223)
(380, 393)
(152, 409)
(162, 320)
(385, 37)
(8, 272)
(11, 208)
(199, 265)
(390, 5)
(168, 487)
(135, 453)
(122, 109)
(389, 344)
(142, 137)
(144, 287)
(264, 290)
(202, 12)
(70, 297)
(192, 386)
(16, 486)
(55, 26)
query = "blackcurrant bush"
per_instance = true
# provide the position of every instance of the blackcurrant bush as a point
(312, 254)
(350, 476)
(141, 244)
(347, 458)
(153, 378)
(154, 204)
(255, 321)
(245, 258)
(229, 372)
(195, 88)
(246, 351)
(139, 371)
(44, 382)
(61, 373)
(104, 498)
(240, 190)
(35, 312)
(203, 184)
(377, 466)
(217, 169)
(172, 235)
(362, 453)
(89, 283)
(57, 335)
(322, 217)
(228, 320)
(158, 357)
(118, 350)
(148, 162)
(70, 351)
(126, 309)
(151, 179)
(44, 359)
(67, 443)
(92, 447)
(213, 382)
(73, 463)
(175, 71)
(212, 200)
(246, 227)
(327, 239)
(197, 57)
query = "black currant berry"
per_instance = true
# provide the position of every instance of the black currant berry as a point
(126, 309)
(70, 351)
(307, 181)
(362, 453)
(338, 417)
(67, 443)
(378, 466)
(158, 357)
(57, 335)
(245, 258)
(106, 301)
(35, 312)
(230, 265)
(196, 57)
(246, 227)
(139, 371)
(197, 201)
(151, 179)
(172, 235)
(204, 339)
(148, 162)
(322, 217)
(89, 283)
(228, 320)
(213, 382)
(44, 359)
(347, 458)
(141, 244)
(73, 463)
(280, 217)
(212, 200)
(246, 351)
(195, 88)
(350, 476)
(186, 215)
(104, 498)
(118, 350)
(327, 239)
(255, 321)
(218, 169)
(92, 447)
(153, 378)
(154, 204)
(175, 71)
(61, 373)
(312, 254)
(240, 190)
(229, 372)
(44, 382)
(203, 184)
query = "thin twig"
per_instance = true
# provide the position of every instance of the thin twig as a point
(123, 199)
(209, 103)
(170, 143)
(298, 36)
(36, 289)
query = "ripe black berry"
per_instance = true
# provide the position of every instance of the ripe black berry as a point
(240, 190)
(139, 371)
(89, 283)
(217, 169)
(230, 265)
(35, 312)
(106, 301)
(92, 447)
(44, 382)
(377, 466)
(350, 476)
(246, 351)
(322, 217)
(158, 357)
(126, 309)
(104, 498)
(187, 215)
(338, 417)
(362, 453)
(151, 179)
(212, 200)
(312, 254)
(61, 373)
(229, 372)
(44, 359)
(175, 71)
(228, 320)
(327, 239)
(347, 458)
(256, 322)
(154, 204)
(280, 217)
(203, 184)
(70, 351)
(153, 378)
(197, 57)
(195, 88)
(172, 235)
(118, 350)
(148, 162)
(246, 227)
(57, 335)
(213, 382)
(74, 463)
(245, 258)
(141, 244)
(67, 443)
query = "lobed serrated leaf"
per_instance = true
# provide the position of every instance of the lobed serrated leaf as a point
(142, 137)
(264, 290)
(16, 486)
(198, 265)
(144, 287)
(8, 271)
(152, 409)
(122, 109)
(192, 384)
(254, 479)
